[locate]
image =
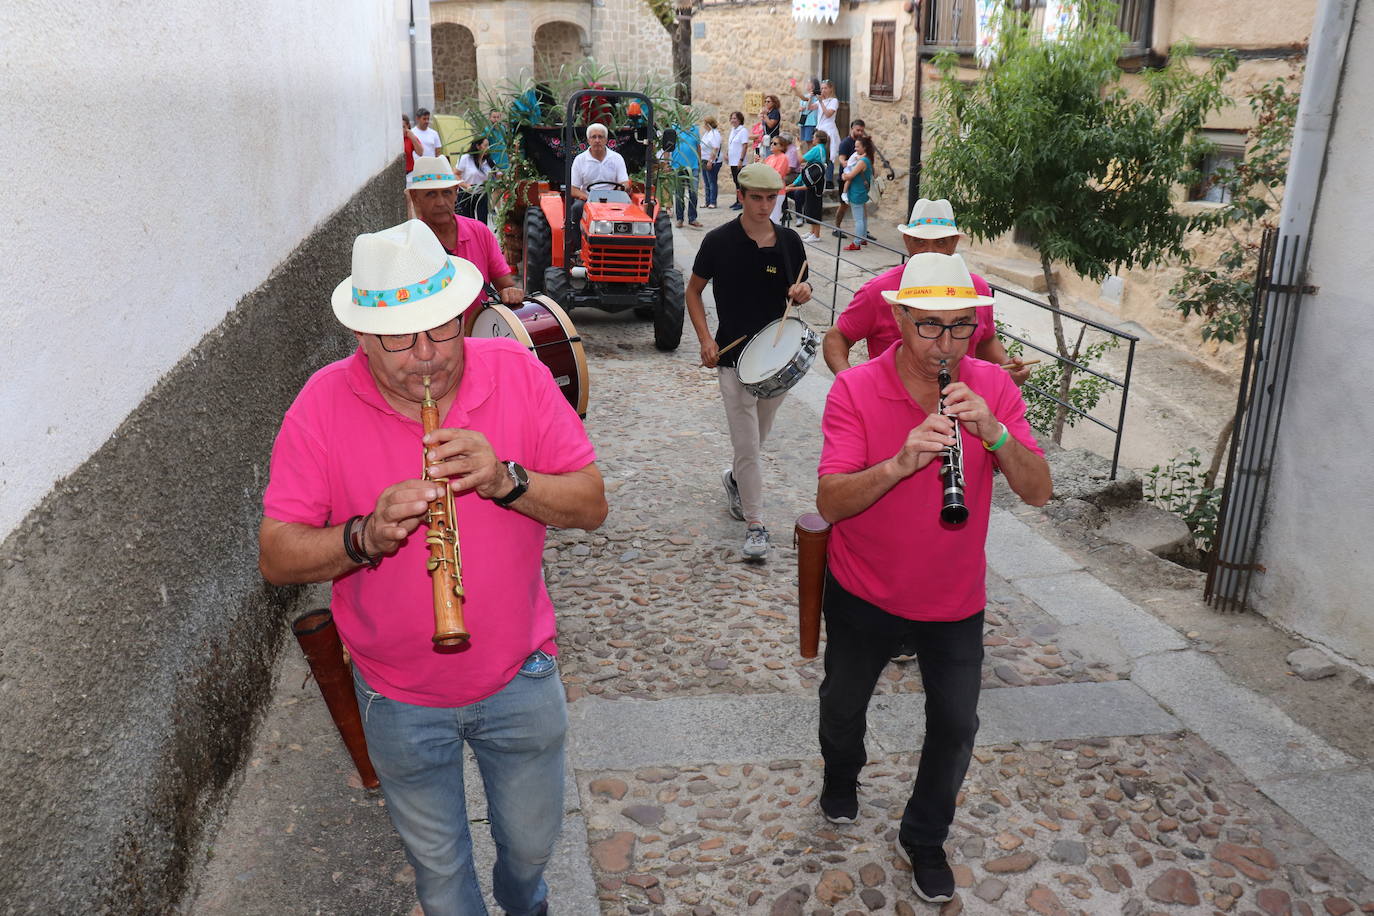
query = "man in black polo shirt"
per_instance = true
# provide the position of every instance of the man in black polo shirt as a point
(752, 263)
(840, 156)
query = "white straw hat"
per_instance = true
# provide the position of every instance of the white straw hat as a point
(431, 172)
(403, 282)
(937, 283)
(930, 219)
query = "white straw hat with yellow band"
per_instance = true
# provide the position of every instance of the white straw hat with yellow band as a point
(937, 283)
(431, 172)
(931, 219)
(403, 282)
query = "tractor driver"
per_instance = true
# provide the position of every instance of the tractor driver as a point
(597, 163)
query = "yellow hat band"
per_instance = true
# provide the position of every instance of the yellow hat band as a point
(933, 292)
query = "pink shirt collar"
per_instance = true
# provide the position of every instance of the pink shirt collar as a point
(474, 387)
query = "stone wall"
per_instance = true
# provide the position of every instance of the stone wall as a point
(557, 45)
(628, 37)
(455, 66)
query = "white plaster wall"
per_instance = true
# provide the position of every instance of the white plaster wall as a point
(158, 162)
(1317, 546)
(424, 55)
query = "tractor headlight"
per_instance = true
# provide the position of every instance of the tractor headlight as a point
(644, 228)
(602, 227)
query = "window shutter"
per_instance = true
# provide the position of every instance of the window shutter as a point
(880, 81)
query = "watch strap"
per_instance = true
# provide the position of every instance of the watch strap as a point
(519, 478)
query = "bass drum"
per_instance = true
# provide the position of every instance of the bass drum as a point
(542, 326)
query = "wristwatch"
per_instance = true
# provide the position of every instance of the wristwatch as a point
(520, 477)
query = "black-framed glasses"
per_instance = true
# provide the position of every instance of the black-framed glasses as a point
(399, 343)
(932, 330)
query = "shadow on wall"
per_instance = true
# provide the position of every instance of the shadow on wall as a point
(137, 639)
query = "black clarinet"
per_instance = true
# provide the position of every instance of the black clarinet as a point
(952, 510)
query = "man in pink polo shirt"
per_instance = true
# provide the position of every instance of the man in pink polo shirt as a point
(433, 190)
(344, 504)
(868, 316)
(899, 574)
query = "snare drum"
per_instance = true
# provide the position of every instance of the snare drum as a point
(545, 329)
(768, 369)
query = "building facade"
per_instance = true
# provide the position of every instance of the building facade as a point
(481, 46)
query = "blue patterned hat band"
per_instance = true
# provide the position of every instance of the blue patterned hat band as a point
(386, 298)
(434, 176)
(932, 221)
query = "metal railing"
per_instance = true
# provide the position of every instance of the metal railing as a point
(953, 24)
(844, 270)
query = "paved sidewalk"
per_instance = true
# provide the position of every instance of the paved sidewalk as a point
(1119, 770)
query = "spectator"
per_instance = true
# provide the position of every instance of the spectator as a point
(735, 149)
(777, 161)
(495, 132)
(811, 182)
(808, 109)
(428, 136)
(826, 107)
(686, 164)
(711, 161)
(473, 168)
(771, 117)
(410, 143)
(859, 174)
(840, 155)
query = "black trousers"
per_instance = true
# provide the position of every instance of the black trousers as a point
(860, 639)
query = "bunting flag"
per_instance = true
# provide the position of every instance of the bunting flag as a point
(815, 10)
(1060, 18)
(985, 39)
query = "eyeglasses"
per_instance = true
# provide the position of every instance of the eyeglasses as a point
(399, 343)
(932, 330)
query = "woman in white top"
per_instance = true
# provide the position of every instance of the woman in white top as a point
(710, 161)
(735, 149)
(473, 168)
(827, 107)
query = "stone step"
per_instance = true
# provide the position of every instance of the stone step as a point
(1019, 271)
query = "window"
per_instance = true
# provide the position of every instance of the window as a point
(1229, 151)
(881, 60)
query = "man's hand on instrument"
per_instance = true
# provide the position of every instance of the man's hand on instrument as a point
(710, 353)
(966, 406)
(512, 295)
(398, 512)
(923, 443)
(799, 292)
(467, 459)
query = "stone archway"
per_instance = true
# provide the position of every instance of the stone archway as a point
(557, 44)
(455, 66)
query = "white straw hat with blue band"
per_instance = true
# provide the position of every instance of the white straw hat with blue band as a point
(931, 219)
(403, 282)
(431, 172)
(937, 283)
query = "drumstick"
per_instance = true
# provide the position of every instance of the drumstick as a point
(1028, 362)
(777, 338)
(731, 345)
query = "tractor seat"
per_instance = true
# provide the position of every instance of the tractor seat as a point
(608, 196)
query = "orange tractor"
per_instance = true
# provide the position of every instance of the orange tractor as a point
(626, 257)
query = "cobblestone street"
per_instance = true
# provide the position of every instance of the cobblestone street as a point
(694, 768)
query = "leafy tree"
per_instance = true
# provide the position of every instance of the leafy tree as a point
(1050, 140)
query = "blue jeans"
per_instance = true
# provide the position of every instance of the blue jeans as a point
(517, 738)
(689, 178)
(711, 177)
(860, 221)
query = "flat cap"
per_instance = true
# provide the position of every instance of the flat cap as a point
(759, 177)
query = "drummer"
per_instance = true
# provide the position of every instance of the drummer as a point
(433, 190)
(753, 265)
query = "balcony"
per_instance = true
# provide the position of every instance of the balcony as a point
(953, 24)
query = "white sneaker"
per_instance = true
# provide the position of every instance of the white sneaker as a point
(727, 480)
(809, 238)
(755, 542)
(844, 198)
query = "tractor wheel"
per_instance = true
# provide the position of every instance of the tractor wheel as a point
(672, 306)
(558, 287)
(538, 249)
(663, 246)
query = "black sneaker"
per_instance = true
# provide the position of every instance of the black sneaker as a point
(840, 801)
(931, 877)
